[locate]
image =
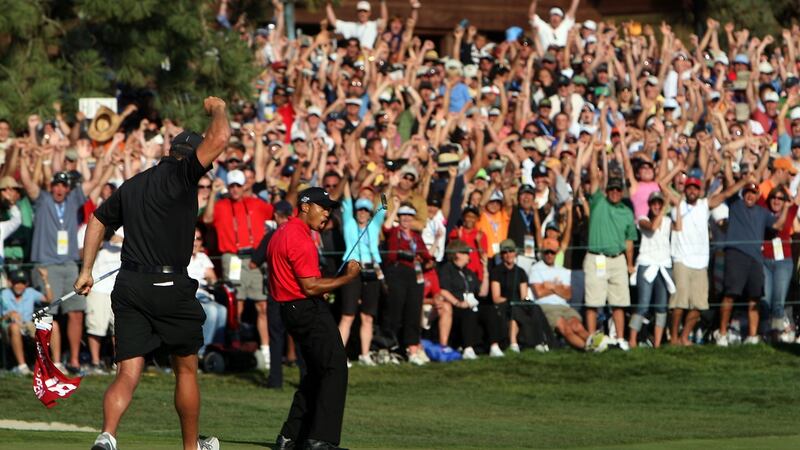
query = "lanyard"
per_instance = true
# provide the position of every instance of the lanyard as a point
(236, 225)
(412, 243)
(369, 249)
(527, 218)
(60, 207)
(464, 278)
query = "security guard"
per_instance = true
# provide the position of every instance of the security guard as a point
(154, 299)
(295, 281)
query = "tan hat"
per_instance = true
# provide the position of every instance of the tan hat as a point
(9, 182)
(105, 123)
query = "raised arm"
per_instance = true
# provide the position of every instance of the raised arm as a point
(217, 133)
(573, 8)
(330, 13)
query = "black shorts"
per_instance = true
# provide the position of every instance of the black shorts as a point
(744, 276)
(368, 292)
(149, 313)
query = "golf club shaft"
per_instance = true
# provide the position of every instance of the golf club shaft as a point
(46, 310)
(347, 257)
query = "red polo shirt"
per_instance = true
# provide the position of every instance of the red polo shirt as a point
(240, 225)
(291, 254)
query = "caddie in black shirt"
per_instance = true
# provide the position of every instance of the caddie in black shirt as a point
(154, 299)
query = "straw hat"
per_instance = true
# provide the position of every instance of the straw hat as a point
(105, 123)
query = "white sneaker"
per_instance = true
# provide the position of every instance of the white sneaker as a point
(60, 367)
(366, 360)
(422, 355)
(265, 354)
(720, 339)
(105, 441)
(597, 342)
(542, 348)
(469, 353)
(209, 443)
(415, 360)
(752, 340)
(514, 348)
(21, 370)
(349, 364)
(495, 351)
(623, 345)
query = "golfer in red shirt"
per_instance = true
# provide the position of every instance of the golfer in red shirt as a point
(295, 281)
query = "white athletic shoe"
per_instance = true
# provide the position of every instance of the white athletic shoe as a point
(514, 348)
(752, 340)
(105, 441)
(623, 345)
(720, 339)
(495, 351)
(209, 443)
(21, 370)
(415, 359)
(597, 342)
(469, 353)
(542, 348)
(366, 360)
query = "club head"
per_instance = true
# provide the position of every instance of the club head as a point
(384, 203)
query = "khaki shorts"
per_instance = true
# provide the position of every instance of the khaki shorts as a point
(612, 287)
(555, 312)
(250, 285)
(26, 329)
(99, 317)
(691, 288)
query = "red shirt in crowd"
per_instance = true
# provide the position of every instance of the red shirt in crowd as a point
(240, 225)
(785, 234)
(476, 240)
(397, 241)
(291, 254)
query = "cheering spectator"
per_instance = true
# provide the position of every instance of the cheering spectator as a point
(18, 303)
(555, 31)
(365, 30)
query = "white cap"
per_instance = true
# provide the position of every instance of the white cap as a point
(714, 95)
(490, 90)
(670, 102)
(353, 101)
(299, 136)
(314, 111)
(590, 25)
(756, 127)
(720, 212)
(765, 67)
(235, 177)
(470, 71)
(386, 96)
(722, 58)
(556, 12)
(406, 210)
(494, 112)
(363, 6)
(794, 114)
(453, 64)
(497, 196)
(591, 39)
(771, 96)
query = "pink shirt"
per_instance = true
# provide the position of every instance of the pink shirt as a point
(639, 198)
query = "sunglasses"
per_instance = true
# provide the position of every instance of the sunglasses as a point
(781, 198)
(233, 161)
(332, 162)
(198, 238)
(331, 186)
(549, 252)
(409, 178)
(203, 186)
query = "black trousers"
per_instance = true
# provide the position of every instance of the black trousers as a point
(318, 407)
(277, 342)
(467, 323)
(404, 304)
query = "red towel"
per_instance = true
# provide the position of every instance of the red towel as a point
(49, 384)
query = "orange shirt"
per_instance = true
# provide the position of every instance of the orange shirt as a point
(495, 227)
(765, 188)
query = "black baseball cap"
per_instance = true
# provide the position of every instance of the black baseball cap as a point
(796, 141)
(615, 183)
(319, 196)
(18, 276)
(185, 142)
(283, 207)
(62, 177)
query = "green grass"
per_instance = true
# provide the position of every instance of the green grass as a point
(677, 398)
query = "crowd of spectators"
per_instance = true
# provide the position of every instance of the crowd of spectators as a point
(618, 182)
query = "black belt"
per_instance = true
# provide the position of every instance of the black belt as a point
(153, 269)
(607, 255)
(245, 252)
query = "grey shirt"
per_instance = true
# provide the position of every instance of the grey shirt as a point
(51, 218)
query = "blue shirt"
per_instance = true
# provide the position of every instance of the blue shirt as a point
(23, 306)
(746, 227)
(367, 250)
(459, 97)
(50, 218)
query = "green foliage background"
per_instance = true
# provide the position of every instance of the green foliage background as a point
(69, 49)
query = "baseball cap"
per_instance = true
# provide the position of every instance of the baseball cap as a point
(314, 111)
(526, 189)
(670, 103)
(750, 187)
(235, 177)
(186, 142)
(363, 6)
(590, 25)
(470, 210)
(481, 175)
(319, 196)
(61, 177)
(353, 101)
(771, 96)
(765, 67)
(556, 12)
(508, 245)
(692, 181)
(406, 210)
(497, 196)
(655, 196)
(785, 164)
(539, 170)
(364, 203)
(796, 142)
(615, 183)
(18, 276)
(741, 58)
(408, 169)
(299, 136)
(9, 182)
(283, 207)
(721, 58)
(495, 166)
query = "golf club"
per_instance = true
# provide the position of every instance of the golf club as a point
(344, 261)
(46, 310)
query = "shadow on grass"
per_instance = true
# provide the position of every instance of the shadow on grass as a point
(792, 349)
(258, 378)
(257, 444)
